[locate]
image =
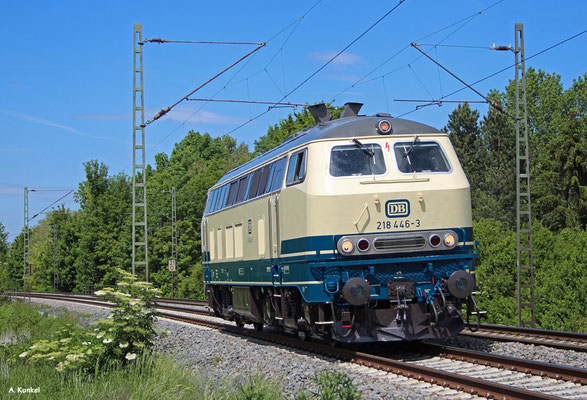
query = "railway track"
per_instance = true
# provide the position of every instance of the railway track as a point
(539, 337)
(480, 374)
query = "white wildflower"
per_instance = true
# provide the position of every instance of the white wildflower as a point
(99, 335)
(123, 345)
(85, 343)
(106, 341)
(23, 355)
(130, 356)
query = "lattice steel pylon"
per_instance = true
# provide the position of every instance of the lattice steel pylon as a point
(523, 204)
(140, 253)
(26, 242)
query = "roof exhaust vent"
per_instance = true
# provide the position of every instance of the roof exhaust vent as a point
(320, 113)
(351, 110)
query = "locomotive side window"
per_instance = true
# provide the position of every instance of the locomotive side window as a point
(296, 169)
(263, 181)
(210, 201)
(232, 193)
(277, 176)
(216, 195)
(420, 157)
(256, 177)
(222, 197)
(356, 160)
(242, 188)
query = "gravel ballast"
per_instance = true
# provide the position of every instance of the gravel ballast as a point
(219, 357)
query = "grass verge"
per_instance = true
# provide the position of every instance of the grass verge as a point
(148, 377)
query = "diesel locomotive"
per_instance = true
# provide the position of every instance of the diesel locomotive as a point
(356, 229)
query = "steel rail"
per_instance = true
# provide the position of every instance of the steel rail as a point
(575, 375)
(563, 340)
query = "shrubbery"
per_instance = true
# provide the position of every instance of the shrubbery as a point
(560, 262)
(123, 337)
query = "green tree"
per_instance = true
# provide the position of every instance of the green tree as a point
(561, 183)
(465, 135)
(498, 184)
(4, 274)
(196, 163)
(3, 243)
(103, 226)
(14, 263)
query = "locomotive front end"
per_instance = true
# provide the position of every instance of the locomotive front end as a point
(397, 209)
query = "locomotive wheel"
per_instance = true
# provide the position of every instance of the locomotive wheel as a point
(258, 326)
(239, 323)
(304, 335)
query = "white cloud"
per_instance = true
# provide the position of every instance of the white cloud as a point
(180, 113)
(46, 122)
(105, 117)
(342, 61)
(9, 189)
(185, 113)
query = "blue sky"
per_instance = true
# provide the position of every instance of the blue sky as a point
(66, 72)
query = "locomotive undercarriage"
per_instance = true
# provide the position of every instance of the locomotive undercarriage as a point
(379, 320)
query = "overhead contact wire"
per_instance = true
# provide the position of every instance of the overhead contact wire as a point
(167, 109)
(297, 21)
(50, 205)
(502, 70)
(323, 66)
(466, 20)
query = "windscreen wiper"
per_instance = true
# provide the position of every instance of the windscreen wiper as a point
(407, 151)
(363, 148)
(411, 146)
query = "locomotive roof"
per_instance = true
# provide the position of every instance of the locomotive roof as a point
(339, 128)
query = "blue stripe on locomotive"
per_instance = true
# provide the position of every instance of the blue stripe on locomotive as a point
(319, 275)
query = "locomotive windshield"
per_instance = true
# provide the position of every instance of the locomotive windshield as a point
(420, 157)
(355, 160)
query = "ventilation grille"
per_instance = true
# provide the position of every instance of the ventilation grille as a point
(397, 243)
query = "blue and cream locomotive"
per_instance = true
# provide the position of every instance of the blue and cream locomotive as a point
(356, 229)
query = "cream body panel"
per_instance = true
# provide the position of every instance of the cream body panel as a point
(327, 205)
(248, 247)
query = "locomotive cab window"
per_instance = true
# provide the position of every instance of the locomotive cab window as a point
(419, 156)
(277, 175)
(296, 168)
(356, 160)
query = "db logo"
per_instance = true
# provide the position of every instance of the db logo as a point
(397, 208)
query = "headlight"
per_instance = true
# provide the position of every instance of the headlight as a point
(384, 126)
(434, 240)
(347, 246)
(449, 240)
